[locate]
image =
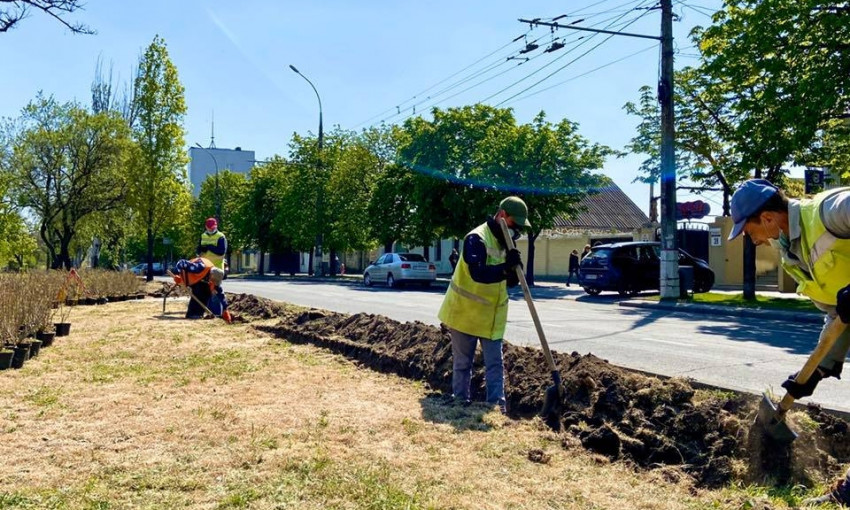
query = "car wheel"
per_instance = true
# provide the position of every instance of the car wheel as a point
(391, 281)
(702, 286)
(593, 291)
(367, 280)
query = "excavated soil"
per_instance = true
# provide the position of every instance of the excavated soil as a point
(647, 421)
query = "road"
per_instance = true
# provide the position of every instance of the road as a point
(741, 354)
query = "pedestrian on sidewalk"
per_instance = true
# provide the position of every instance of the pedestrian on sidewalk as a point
(574, 267)
(475, 308)
(813, 239)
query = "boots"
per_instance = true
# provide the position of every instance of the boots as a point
(839, 494)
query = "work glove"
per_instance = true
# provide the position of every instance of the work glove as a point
(513, 259)
(511, 279)
(799, 391)
(842, 306)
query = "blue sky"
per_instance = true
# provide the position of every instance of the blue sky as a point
(365, 58)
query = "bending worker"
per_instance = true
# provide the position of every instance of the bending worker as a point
(204, 280)
(813, 239)
(213, 244)
(475, 307)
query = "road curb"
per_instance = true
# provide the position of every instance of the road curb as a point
(802, 317)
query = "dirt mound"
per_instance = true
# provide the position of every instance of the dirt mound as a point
(614, 412)
(248, 305)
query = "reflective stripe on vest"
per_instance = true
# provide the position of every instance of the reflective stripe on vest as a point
(477, 309)
(824, 256)
(217, 260)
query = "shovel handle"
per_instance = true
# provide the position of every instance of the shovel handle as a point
(825, 343)
(527, 293)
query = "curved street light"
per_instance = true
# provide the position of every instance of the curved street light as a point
(320, 199)
(217, 196)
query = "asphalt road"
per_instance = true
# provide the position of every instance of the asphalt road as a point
(742, 354)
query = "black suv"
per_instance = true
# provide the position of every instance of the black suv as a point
(629, 268)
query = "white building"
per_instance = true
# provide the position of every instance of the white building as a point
(205, 162)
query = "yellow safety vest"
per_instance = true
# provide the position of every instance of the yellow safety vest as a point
(826, 256)
(217, 260)
(477, 309)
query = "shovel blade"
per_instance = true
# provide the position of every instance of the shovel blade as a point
(773, 421)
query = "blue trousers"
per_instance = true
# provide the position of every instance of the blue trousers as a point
(463, 354)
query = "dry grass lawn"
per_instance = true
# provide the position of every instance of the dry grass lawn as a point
(140, 410)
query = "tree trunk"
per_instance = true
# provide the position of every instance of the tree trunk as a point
(388, 247)
(529, 266)
(261, 264)
(310, 263)
(149, 272)
(332, 262)
(426, 252)
(749, 269)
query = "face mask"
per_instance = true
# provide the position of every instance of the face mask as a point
(784, 241)
(515, 233)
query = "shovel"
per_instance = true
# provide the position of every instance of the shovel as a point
(552, 399)
(771, 416)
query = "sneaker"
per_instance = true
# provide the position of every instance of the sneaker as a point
(839, 495)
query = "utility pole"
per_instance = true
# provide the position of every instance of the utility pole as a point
(669, 285)
(669, 281)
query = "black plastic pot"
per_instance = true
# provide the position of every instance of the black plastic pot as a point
(22, 353)
(46, 338)
(6, 356)
(35, 347)
(63, 328)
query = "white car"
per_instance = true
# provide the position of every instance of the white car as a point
(396, 269)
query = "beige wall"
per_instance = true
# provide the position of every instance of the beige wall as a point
(727, 259)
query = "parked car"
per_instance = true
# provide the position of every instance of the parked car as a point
(141, 269)
(629, 268)
(396, 269)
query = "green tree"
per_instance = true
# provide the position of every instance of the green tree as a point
(782, 66)
(159, 190)
(70, 167)
(467, 159)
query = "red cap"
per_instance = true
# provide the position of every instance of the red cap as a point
(211, 224)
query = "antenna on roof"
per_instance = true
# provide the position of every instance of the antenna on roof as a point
(212, 132)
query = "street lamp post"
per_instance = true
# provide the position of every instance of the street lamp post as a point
(321, 192)
(217, 196)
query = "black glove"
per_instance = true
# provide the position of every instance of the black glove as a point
(511, 279)
(513, 259)
(803, 390)
(842, 306)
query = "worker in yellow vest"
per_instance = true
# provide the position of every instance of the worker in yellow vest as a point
(813, 239)
(475, 308)
(213, 244)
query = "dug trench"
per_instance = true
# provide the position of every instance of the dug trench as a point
(626, 416)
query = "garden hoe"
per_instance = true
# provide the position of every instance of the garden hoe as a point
(552, 400)
(772, 417)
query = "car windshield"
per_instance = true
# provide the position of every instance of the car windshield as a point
(412, 257)
(600, 254)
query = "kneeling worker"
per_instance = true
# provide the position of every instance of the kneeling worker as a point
(204, 280)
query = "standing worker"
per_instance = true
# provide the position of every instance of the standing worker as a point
(213, 244)
(813, 238)
(573, 267)
(475, 307)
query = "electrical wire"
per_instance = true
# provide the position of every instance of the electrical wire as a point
(584, 41)
(506, 102)
(567, 64)
(488, 67)
(578, 38)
